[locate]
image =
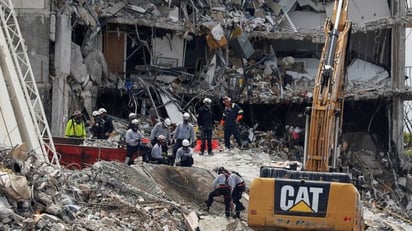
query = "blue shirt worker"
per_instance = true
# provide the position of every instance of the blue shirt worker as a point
(232, 114)
(205, 121)
(184, 155)
(158, 156)
(133, 141)
(184, 130)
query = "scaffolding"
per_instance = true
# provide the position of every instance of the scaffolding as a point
(21, 85)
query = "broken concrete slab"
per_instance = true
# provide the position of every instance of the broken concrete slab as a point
(78, 69)
(304, 20)
(168, 51)
(363, 12)
(360, 70)
(114, 9)
(172, 108)
(316, 6)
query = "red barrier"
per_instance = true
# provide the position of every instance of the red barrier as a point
(82, 156)
(215, 145)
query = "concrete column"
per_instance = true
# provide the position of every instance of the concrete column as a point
(398, 75)
(62, 59)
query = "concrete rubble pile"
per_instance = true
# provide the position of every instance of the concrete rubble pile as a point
(109, 195)
(36, 196)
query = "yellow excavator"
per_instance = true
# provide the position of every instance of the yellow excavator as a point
(315, 197)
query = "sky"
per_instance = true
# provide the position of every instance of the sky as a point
(408, 53)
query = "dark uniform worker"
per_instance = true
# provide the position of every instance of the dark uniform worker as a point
(232, 114)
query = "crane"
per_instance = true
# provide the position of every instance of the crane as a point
(22, 116)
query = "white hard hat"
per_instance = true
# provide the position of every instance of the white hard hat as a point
(186, 116)
(207, 100)
(167, 122)
(185, 143)
(135, 121)
(161, 137)
(227, 98)
(95, 113)
(131, 114)
(102, 110)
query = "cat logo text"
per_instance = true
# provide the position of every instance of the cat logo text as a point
(300, 198)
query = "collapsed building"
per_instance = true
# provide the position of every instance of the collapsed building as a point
(137, 56)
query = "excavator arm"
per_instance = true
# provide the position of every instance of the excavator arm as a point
(328, 94)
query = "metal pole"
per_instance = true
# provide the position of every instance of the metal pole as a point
(305, 154)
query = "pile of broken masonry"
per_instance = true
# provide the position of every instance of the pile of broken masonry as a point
(109, 195)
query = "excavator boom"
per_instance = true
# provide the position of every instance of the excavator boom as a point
(328, 94)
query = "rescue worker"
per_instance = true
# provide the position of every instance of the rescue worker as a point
(133, 141)
(96, 128)
(184, 130)
(161, 128)
(157, 154)
(131, 117)
(108, 127)
(76, 126)
(184, 155)
(221, 187)
(239, 188)
(205, 121)
(232, 114)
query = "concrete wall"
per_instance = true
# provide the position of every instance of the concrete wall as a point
(35, 30)
(34, 20)
(30, 4)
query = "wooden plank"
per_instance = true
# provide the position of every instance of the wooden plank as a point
(113, 50)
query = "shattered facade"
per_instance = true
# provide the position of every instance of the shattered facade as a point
(137, 56)
(140, 56)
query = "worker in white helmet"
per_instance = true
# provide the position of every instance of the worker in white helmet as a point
(96, 128)
(206, 121)
(232, 114)
(108, 127)
(158, 156)
(161, 128)
(131, 117)
(184, 130)
(184, 156)
(134, 145)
